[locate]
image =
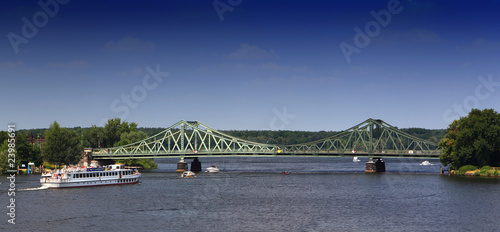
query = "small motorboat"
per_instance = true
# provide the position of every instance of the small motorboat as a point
(213, 168)
(355, 159)
(286, 172)
(426, 163)
(187, 174)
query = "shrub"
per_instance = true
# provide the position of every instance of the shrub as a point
(485, 170)
(48, 165)
(495, 173)
(477, 173)
(466, 168)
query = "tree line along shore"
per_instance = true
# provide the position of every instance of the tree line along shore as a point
(471, 142)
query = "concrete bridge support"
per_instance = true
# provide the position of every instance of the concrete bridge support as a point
(377, 166)
(196, 165)
(182, 165)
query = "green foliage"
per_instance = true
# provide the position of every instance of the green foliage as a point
(280, 137)
(472, 140)
(111, 134)
(4, 164)
(430, 135)
(97, 136)
(466, 168)
(93, 137)
(130, 137)
(495, 173)
(485, 170)
(3, 136)
(63, 145)
(114, 129)
(145, 163)
(48, 165)
(26, 152)
(151, 131)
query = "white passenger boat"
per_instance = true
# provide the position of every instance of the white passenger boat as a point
(188, 174)
(46, 174)
(213, 168)
(88, 176)
(355, 159)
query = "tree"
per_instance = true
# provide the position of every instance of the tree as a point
(26, 152)
(114, 129)
(130, 137)
(93, 137)
(4, 164)
(63, 145)
(472, 140)
(3, 136)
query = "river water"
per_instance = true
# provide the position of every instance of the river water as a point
(252, 194)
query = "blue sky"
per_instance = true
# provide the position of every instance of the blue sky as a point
(247, 64)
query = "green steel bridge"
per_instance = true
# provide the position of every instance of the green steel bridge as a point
(191, 139)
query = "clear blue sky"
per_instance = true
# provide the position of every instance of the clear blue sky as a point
(251, 65)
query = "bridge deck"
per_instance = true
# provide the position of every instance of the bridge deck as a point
(323, 154)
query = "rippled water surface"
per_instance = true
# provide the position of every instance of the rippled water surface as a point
(252, 194)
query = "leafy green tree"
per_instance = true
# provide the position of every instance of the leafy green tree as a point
(93, 137)
(4, 164)
(114, 129)
(3, 136)
(26, 152)
(63, 145)
(130, 137)
(472, 140)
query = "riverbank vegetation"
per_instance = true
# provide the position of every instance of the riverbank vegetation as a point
(64, 146)
(471, 170)
(471, 142)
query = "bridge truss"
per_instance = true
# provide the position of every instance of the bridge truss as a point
(371, 138)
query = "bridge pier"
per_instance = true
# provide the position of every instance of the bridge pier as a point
(377, 166)
(196, 165)
(182, 166)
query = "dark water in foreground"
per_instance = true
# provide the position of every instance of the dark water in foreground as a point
(320, 194)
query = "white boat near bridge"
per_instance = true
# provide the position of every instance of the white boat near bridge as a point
(89, 176)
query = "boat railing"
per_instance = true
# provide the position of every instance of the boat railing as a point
(50, 180)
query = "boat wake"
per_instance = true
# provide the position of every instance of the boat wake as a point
(30, 189)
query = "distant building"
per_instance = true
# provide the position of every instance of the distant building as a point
(36, 141)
